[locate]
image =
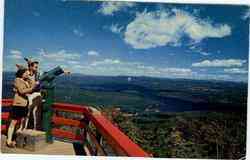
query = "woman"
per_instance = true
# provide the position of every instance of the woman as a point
(19, 111)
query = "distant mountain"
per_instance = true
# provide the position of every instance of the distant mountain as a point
(138, 94)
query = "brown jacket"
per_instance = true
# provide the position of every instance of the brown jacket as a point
(21, 88)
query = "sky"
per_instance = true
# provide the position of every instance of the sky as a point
(129, 38)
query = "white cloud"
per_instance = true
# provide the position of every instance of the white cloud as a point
(236, 71)
(246, 15)
(48, 60)
(159, 28)
(198, 49)
(116, 29)
(106, 62)
(116, 67)
(15, 54)
(61, 55)
(177, 71)
(73, 62)
(205, 53)
(224, 77)
(220, 63)
(108, 8)
(93, 53)
(78, 32)
(36, 14)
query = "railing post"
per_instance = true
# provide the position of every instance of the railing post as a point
(99, 140)
(86, 145)
(85, 120)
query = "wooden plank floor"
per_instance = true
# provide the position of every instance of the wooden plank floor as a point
(57, 148)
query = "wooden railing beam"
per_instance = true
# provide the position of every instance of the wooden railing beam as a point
(66, 134)
(69, 122)
(70, 108)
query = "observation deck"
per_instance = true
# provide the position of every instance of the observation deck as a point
(88, 133)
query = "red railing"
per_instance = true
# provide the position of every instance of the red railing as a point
(5, 115)
(97, 129)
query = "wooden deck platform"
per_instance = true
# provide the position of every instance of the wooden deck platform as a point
(57, 148)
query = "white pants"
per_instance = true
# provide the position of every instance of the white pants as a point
(33, 96)
(31, 109)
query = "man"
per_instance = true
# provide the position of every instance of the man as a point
(35, 106)
(33, 68)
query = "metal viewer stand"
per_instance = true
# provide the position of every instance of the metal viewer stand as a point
(48, 86)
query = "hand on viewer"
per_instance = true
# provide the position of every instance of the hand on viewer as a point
(66, 71)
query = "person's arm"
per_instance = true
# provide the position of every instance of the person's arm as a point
(32, 83)
(20, 87)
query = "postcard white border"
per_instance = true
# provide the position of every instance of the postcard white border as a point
(39, 157)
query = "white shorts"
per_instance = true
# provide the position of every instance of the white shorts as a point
(33, 96)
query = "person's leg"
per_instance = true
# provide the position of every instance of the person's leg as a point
(11, 131)
(36, 102)
(12, 126)
(35, 117)
(22, 125)
(27, 117)
(23, 114)
(38, 113)
(30, 99)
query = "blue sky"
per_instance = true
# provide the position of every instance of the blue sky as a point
(129, 38)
